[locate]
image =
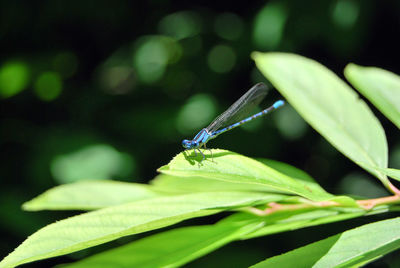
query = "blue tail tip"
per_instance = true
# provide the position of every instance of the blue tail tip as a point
(278, 104)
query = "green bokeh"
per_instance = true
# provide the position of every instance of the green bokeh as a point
(48, 86)
(229, 26)
(14, 77)
(221, 59)
(95, 162)
(269, 25)
(180, 25)
(345, 13)
(289, 123)
(196, 113)
(152, 56)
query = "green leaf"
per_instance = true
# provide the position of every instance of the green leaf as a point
(89, 195)
(330, 106)
(391, 172)
(192, 184)
(175, 184)
(177, 247)
(289, 221)
(168, 249)
(234, 168)
(352, 248)
(381, 87)
(100, 226)
(293, 172)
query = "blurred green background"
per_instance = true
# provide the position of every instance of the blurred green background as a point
(108, 89)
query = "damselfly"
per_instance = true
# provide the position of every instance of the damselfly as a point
(233, 117)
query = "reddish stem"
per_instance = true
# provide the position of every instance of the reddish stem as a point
(393, 188)
(367, 204)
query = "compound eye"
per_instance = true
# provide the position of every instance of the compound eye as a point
(186, 143)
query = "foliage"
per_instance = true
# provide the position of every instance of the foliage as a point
(263, 196)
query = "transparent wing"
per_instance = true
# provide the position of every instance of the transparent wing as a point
(241, 108)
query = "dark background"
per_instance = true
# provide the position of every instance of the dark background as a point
(108, 89)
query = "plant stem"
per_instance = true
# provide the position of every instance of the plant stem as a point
(366, 204)
(393, 188)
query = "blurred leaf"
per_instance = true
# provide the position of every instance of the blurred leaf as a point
(100, 226)
(352, 248)
(329, 106)
(234, 168)
(87, 195)
(168, 249)
(99, 161)
(381, 87)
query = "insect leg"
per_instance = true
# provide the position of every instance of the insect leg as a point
(212, 157)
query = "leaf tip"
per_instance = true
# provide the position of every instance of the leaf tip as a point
(255, 54)
(162, 168)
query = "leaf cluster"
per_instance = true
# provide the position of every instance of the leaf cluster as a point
(264, 196)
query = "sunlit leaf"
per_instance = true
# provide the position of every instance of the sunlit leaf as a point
(177, 247)
(100, 226)
(381, 87)
(87, 195)
(168, 249)
(352, 248)
(329, 106)
(234, 168)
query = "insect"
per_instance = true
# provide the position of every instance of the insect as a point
(233, 117)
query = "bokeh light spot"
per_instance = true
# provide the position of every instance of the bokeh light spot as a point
(229, 26)
(14, 77)
(180, 25)
(66, 64)
(196, 113)
(117, 80)
(345, 13)
(48, 86)
(289, 123)
(269, 25)
(97, 162)
(221, 59)
(152, 56)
